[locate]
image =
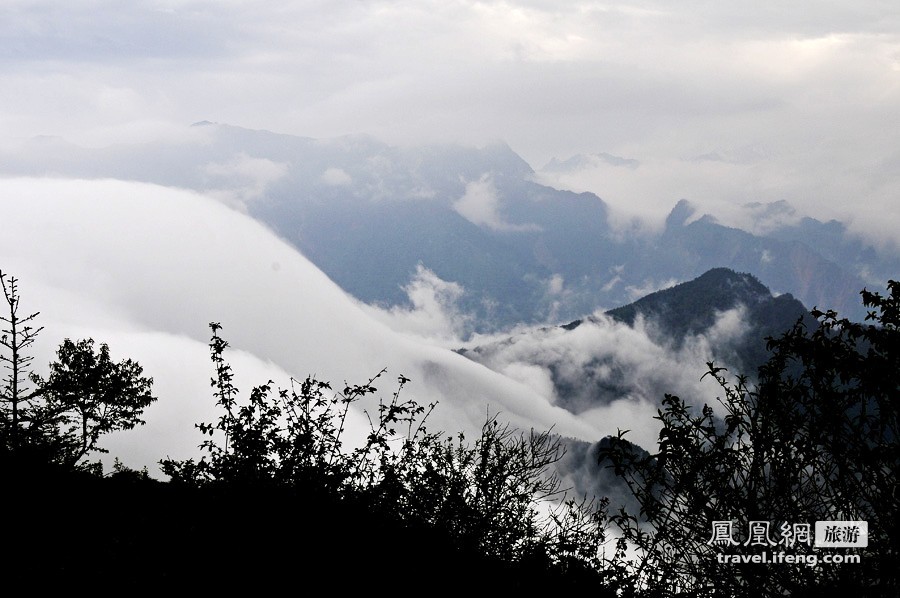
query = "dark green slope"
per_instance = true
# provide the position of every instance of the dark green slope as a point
(692, 307)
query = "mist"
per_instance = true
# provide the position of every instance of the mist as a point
(145, 268)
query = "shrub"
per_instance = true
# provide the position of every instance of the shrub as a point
(815, 439)
(483, 498)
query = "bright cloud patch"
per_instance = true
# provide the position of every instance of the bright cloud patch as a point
(480, 205)
(336, 177)
(243, 178)
(434, 315)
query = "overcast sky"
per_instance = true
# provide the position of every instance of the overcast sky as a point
(782, 100)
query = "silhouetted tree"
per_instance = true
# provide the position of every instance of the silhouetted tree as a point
(815, 439)
(86, 395)
(60, 418)
(16, 337)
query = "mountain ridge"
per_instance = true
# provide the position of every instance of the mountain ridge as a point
(369, 214)
(733, 313)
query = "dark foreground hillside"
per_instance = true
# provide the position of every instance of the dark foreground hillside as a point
(128, 531)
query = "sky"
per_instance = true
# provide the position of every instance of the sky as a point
(721, 103)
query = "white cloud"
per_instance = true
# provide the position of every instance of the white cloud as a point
(433, 315)
(480, 205)
(730, 325)
(556, 284)
(243, 178)
(336, 177)
(145, 268)
(649, 286)
(609, 373)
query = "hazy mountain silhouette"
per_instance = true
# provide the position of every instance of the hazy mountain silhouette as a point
(368, 214)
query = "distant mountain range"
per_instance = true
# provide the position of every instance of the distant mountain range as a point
(369, 215)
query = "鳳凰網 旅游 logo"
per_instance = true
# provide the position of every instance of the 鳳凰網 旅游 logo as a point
(737, 542)
(825, 534)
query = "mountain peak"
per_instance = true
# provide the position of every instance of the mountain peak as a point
(680, 214)
(747, 283)
(692, 306)
(506, 158)
(695, 306)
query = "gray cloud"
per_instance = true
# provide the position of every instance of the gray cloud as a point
(810, 85)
